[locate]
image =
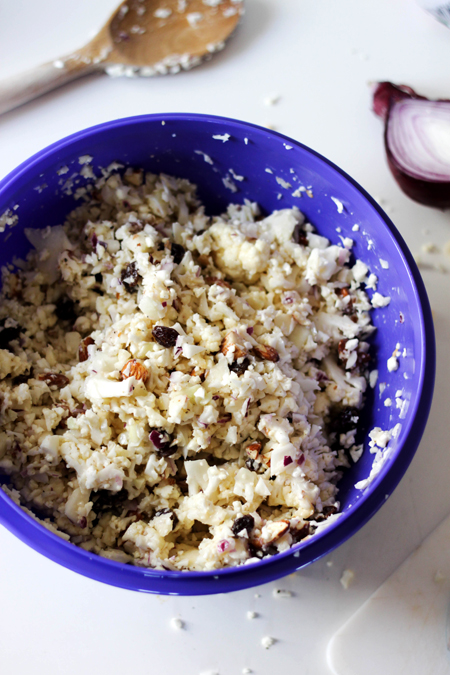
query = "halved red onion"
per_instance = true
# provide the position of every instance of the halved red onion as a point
(417, 142)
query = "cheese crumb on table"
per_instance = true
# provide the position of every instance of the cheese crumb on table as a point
(347, 578)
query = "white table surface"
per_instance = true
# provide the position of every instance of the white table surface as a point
(319, 56)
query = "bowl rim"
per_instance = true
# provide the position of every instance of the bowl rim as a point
(20, 523)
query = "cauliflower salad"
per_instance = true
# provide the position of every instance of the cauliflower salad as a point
(180, 391)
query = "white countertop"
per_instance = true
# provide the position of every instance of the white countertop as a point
(319, 56)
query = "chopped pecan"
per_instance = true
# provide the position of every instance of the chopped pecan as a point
(83, 354)
(267, 353)
(136, 369)
(230, 344)
(253, 449)
(54, 379)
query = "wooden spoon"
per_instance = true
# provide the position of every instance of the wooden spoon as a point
(141, 38)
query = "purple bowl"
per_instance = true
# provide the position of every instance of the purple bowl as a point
(167, 143)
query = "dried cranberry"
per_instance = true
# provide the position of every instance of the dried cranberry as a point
(165, 336)
(22, 379)
(177, 251)
(252, 464)
(243, 523)
(8, 334)
(54, 379)
(239, 368)
(300, 236)
(65, 310)
(130, 277)
(301, 533)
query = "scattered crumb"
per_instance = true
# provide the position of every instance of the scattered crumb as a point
(284, 184)
(269, 125)
(229, 184)
(439, 577)
(384, 264)
(246, 141)
(268, 170)
(222, 137)
(388, 402)
(267, 642)
(429, 247)
(288, 147)
(339, 229)
(280, 593)
(246, 671)
(273, 99)
(85, 159)
(177, 623)
(206, 157)
(347, 578)
(330, 563)
(373, 377)
(194, 19)
(355, 227)
(257, 595)
(236, 176)
(339, 204)
(251, 615)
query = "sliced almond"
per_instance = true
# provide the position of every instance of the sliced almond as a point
(136, 369)
(231, 344)
(274, 530)
(267, 353)
(253, 450)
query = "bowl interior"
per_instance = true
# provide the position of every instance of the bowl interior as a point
(231, 161)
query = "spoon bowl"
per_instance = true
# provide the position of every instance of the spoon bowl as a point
(141, 38)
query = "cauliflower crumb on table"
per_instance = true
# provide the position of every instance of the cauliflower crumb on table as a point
(178, 391)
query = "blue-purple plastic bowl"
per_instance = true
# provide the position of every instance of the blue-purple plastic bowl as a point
(268, 161)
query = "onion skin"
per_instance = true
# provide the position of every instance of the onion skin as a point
(427, 192)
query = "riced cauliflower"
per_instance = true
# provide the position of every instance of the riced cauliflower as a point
(180, 391)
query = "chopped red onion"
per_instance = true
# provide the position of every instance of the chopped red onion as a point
(223, 546)
(287, 460)
(224, 420)
(250, 330)
(301, 460)
(417, 142)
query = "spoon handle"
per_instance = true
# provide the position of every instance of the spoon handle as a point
(25, 86)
